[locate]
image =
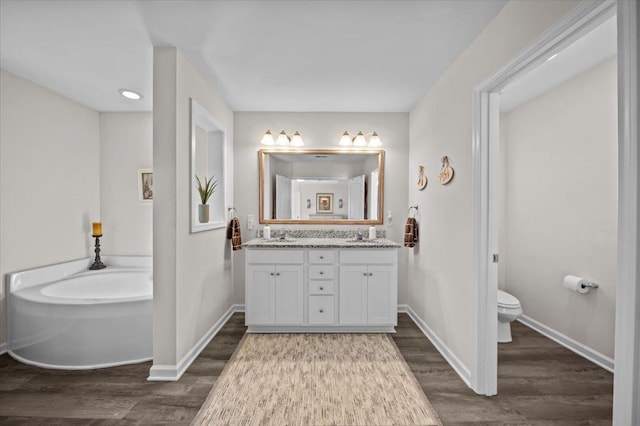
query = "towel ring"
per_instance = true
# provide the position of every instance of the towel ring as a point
(413, 207)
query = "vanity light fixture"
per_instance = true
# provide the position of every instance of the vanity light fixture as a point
(296, 140)
(375, 141)
(283, 139)
(267, 139)
(130, 94)
(345, 140)
(360, 141)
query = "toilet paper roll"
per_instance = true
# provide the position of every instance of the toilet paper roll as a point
(266, 233)
(576, 284)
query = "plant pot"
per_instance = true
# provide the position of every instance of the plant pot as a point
(203, 213)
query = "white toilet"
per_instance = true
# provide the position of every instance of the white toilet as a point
(509, 309)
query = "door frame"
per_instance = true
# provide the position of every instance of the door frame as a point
(584, 17)
(626, 379)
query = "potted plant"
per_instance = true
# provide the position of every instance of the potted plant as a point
(205, 191)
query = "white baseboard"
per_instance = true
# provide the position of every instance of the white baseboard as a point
(163, 373)
(457, 365)
(172, 373)
(574, 346)
(3, 348)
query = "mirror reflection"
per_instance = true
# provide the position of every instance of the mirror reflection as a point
(320, 186)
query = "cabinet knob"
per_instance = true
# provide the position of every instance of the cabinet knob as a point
(370, 274)
(321, 288)
(272, 274)
(364, 273)
(321, 257)
(321, 273)
(278, 274)
(321, 310)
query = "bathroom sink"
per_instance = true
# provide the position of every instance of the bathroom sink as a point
(279, 240)
(354, 241)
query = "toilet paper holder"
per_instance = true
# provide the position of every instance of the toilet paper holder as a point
(589, 284)
(578, 284)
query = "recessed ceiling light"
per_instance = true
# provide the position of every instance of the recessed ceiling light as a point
(552, 57)
(130, 94)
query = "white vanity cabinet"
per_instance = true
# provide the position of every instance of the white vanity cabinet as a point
(368, 287)
(274, 287)
(321, 289)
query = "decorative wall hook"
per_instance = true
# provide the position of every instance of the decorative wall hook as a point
(446, 171)
(422, 179)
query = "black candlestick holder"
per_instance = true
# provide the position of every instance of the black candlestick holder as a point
(97, 263)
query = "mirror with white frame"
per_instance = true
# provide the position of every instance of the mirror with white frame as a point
(207, 163)
(327, 186)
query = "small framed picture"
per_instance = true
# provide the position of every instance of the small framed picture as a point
(324, 203)
(145, 185)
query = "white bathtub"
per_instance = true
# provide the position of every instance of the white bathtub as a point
(67, 317)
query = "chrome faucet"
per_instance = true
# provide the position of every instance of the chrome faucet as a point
(359, 234)
(283, 234)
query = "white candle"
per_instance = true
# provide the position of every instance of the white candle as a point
(372, 233)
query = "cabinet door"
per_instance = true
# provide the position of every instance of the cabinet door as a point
(381, 298)
(353, 295)
(260, 297)
(289, 297)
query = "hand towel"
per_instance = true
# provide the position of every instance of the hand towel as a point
(233, 233)
(411, 232)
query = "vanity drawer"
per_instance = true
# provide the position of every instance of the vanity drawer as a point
(321, 256)
(275, 256)
(320, 287)
(320, 272)
(368, 256)
(321, 310)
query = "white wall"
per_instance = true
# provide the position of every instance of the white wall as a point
(322, 130)
(192, 272)
(561, 205)
(49, 178)
(440, 269)
(126, 141)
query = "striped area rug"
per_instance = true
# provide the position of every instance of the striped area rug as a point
(316, 379)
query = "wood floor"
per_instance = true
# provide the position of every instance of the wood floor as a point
(540, 383)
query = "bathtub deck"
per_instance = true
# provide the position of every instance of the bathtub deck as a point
(539, 382)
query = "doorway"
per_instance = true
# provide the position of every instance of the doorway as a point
(579, 21)
(557, 195)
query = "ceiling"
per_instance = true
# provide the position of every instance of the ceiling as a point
(259, 55)
(591, 49)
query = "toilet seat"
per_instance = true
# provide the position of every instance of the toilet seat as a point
(506, 300)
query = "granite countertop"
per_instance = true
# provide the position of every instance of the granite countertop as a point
(320, 243)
